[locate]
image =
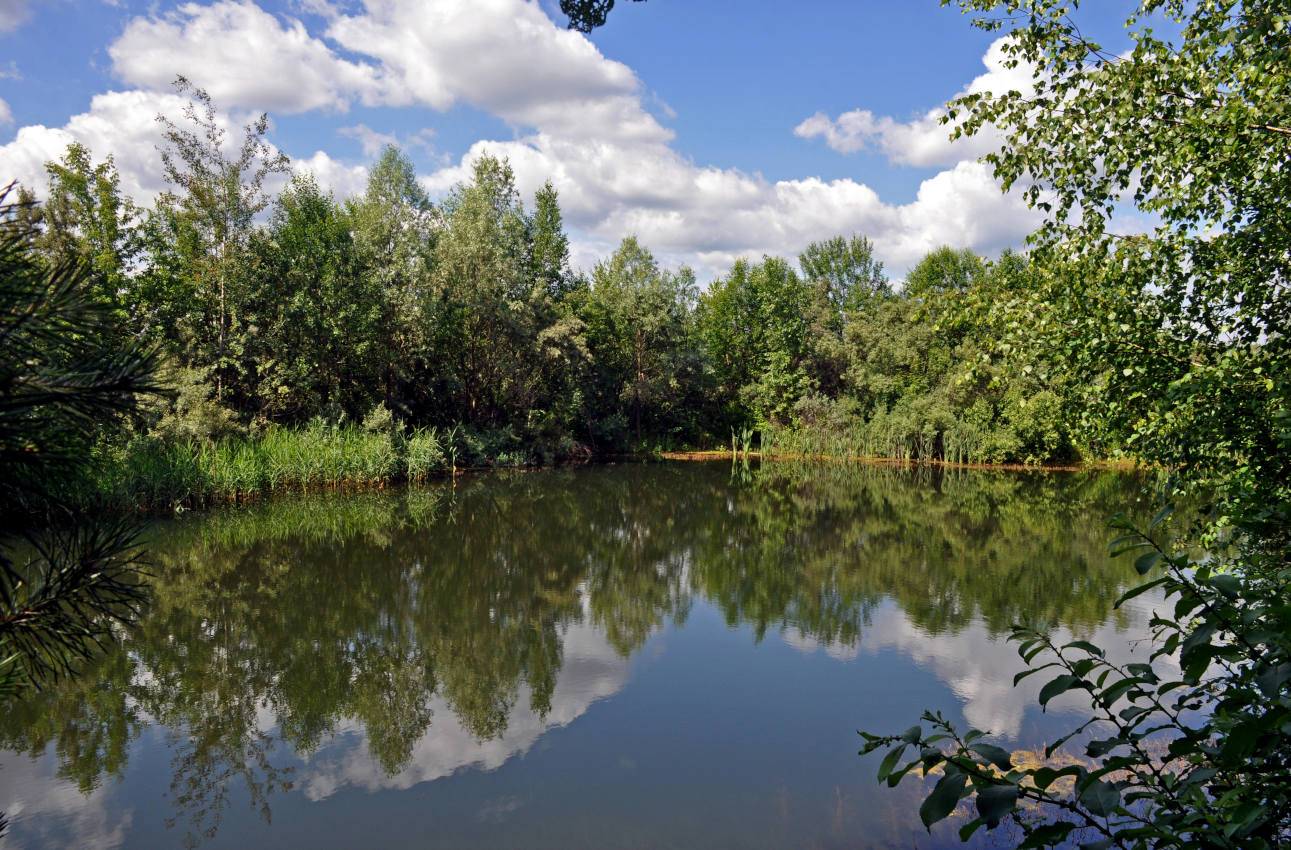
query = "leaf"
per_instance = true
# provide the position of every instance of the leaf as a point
(943, 799)
(912, 735)
(1047, 835)
(1229, 585)
(995, 802)
(1085, 645)
(1161, 516)
(1043, 777)
(1057, 686)
(1101, 798)
(1145, 562)
(890, 761)
(997, 756)
(1271, 680)
(1141, 589)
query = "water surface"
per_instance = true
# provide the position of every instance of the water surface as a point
(621, 656)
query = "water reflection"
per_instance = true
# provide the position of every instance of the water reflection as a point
(382, 641)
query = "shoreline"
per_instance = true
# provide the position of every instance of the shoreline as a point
(724, 454)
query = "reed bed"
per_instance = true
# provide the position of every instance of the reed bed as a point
(151, 472)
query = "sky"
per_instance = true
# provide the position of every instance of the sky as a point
(709, 129)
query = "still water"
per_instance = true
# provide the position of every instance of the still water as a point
(624, 656)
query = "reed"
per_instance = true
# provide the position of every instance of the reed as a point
(151, 472)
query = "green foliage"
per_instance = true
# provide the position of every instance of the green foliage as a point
(64, 578)
(754, 325)
(198, 233)
(85, 217)
(314, 313)
(639, 336)
(1184, 329)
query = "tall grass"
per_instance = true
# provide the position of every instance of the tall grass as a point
(150, 472)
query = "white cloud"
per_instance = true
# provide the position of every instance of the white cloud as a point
(119, 123)
(979, 667)
(243, 57)
(340, 179)
(580, 118)
(707, 217)
(373, 141)
(47, 810)
(502, 56)
(6, 114)
(924, 141)
(592, 671)
(13, 14)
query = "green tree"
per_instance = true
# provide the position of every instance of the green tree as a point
(639, 320)
(843, 277)
(550, 244)
(317, 341)
(86, 217)
(1184, 329)
(755, 327)
(394, 240)
(586, 15)
(944, 270)
(198, 231)
(503, 339)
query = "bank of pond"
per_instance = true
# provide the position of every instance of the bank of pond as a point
(614, 655)
(156, 474)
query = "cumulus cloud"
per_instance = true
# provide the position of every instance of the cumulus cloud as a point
(340, 179)
(502, 56)
(707, 217)
(923, 141)
(122, 124)
(579, 118)
(244, 57)
(13, 14)
(6, 115)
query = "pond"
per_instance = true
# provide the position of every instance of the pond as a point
(619, 656)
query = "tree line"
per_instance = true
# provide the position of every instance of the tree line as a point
(278, 310)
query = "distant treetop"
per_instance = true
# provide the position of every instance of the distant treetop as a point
(587, 15)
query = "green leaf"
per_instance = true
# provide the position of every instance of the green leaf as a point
(1057, 686)
(1047, 835)
(966, 831)
(1101, 798)
(1043, 777)
(943, 799)
(1085, 645)
(995, 802)
(890, 761)
(1145, 562)
(1272, 679)
(1229, 585)
(997, 756)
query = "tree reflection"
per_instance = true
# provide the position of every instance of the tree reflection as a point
(285, 622)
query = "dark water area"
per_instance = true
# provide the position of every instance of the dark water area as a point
(623, 656)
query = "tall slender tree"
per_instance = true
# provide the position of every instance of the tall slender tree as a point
(200, 227)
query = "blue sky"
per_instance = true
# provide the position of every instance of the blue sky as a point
(710, 130)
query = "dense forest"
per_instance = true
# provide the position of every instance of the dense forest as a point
(442, 333)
